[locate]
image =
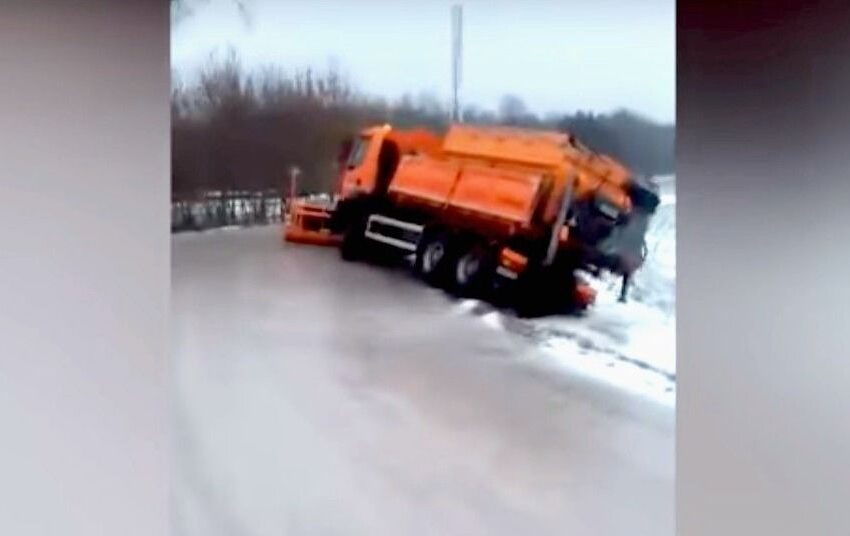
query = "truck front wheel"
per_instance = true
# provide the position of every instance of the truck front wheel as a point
(353, 239)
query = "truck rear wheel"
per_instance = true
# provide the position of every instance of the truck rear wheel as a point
(433, 259)
(471, 272)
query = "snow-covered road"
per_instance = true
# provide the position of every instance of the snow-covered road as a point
(319, 397)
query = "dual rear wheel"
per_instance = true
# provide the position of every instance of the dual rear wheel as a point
(460, 266)
(465, 266)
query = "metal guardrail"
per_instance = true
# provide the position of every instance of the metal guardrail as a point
(209, 210)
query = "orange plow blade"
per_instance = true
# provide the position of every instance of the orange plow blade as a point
(308, 224)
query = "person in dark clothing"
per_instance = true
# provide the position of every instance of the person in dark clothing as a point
(624, 287)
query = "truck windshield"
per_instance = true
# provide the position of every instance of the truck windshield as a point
(361, 144)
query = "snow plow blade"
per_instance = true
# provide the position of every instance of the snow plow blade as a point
(308, 223)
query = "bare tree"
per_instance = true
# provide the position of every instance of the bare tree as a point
(512, 109)
(183, 9)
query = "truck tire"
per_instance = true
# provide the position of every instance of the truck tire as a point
(353, 241)
(471, 272)
(433, 259)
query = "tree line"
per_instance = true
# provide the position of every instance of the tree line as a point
(235, 130)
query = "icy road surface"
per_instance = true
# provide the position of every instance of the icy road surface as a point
(314, 396)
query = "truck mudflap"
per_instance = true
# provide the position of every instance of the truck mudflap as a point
(584, 294)
(308, 222)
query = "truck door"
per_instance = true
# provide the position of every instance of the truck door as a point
(358, 175)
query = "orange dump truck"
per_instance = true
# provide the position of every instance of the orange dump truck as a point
(505, 214)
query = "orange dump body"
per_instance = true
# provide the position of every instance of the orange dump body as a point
(502, 196)
(508, 178)
(416, 141)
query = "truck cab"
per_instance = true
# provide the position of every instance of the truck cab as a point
(374, 155)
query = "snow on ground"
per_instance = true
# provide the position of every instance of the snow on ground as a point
(630, 344)
(643, 329)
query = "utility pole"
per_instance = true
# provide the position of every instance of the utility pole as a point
(457, 47)
(294, 171)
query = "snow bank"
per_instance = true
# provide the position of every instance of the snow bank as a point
(643, 330)
(631, 344)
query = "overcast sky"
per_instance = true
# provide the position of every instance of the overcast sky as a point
(558, 56)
